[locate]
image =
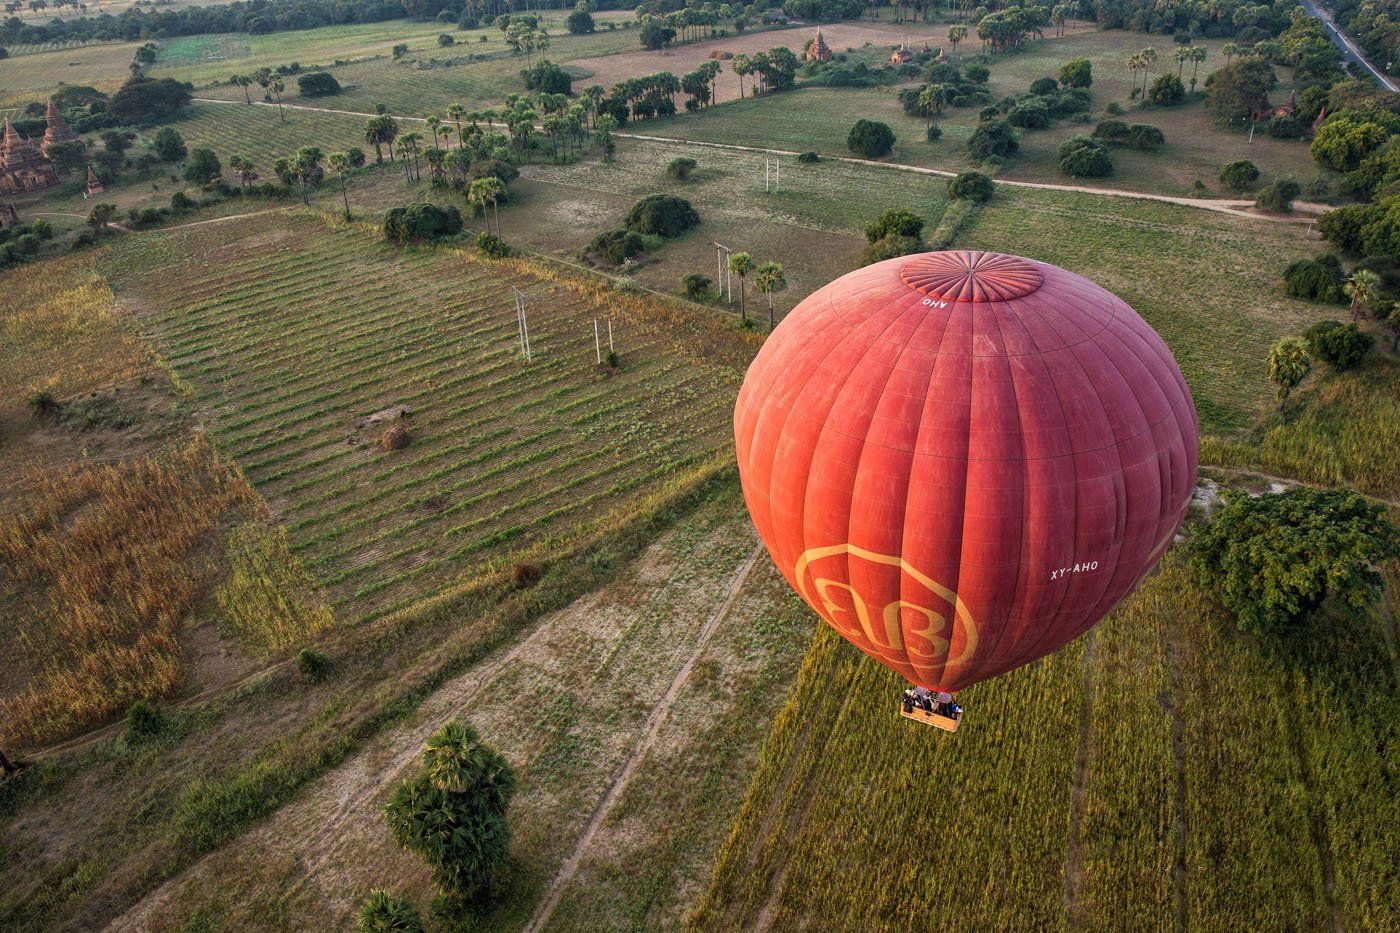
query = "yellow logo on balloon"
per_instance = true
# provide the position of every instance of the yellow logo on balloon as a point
(926, 646)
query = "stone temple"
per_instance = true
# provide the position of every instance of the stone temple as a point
(23, 165)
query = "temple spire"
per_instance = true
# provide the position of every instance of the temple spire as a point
(58, 130)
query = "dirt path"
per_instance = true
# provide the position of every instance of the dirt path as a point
(1074, 856)
(112, 224)
(639, 751)
(1291, 481)
(324, 848)
(1234, 208)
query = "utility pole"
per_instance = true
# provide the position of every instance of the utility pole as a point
(724, 278)
(523, 323)
(597, 343)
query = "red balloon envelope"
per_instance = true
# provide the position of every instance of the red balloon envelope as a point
(964, 460)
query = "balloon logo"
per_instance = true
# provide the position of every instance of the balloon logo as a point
(963, 460)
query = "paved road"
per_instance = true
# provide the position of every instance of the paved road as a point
(1350, 50)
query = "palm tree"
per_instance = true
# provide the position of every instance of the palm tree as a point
(487, 190)
(741, 65)
(1198, 55)
(741, 264)
(379, 131)
(408, 142)
(433, 124)
(455, 112)
(277, 86)
(1362, 287)
(1288, 364)
(340, 164)
(306, 163)
(243, 81)
(1149, 58)
(955, 35)
(1182, 56)
(1134, 66)
(1230, 50)
(263, 77)
(931, 101)
(768, 278)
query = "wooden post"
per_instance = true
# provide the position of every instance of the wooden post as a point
(610, 343)
(597, 344)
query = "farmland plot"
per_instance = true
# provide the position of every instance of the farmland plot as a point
(289, 337)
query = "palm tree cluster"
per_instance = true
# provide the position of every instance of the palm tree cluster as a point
(769, 278)
(1141, 62)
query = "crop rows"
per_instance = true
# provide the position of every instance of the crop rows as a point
(1223, 782)
(285, 350)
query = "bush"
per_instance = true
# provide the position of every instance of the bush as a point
(548, 78)
(168, 144)
(1043, 86)
(1239, 175)
(580, 22)
(933, 132)
(1274, 559)
(971, 186)
(1319, 279)
(1341, 345)
(870, 139)
(662, 215)
(696, 286)
(383, 912)
(992, 139)
(894, 222)
(525, 575)
(179, 201)
(977, 74)
(143, 721)
(1077, 72)
(681, 167)
(492, 245)
(1072, 101)
(1166, 90)
(1278, 197)
(889, 247)
(1113, 132)
(312, 664)
(421, 221)
(1030, 114)
(318, 84)
(1145, 136)
(1083, 157)
(616, 246)
(445, 40)
(203, 167)
(809, 158)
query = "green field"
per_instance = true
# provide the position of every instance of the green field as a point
(294, 331)
(1119, 784)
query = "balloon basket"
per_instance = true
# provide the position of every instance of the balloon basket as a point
(946, 723)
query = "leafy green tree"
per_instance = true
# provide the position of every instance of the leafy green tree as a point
(895, 221)
(146, 100)
(453, 813)
(1278, 196)
(317, 84)
(203, 167)
(384, 912)
(580, 21)
(1341, 345)
(662, 215)
(870, 139)
(1273, 560)
(1029, 114)
(741, 264)
(1319, 279)
(769, 279)
(970, 186)
(243, 169)
(1084, 157)
(1239, 175)
(1343, 142)
(1289, 364)
(993, 139)
(1239, 89)
(1146, 137)
(168, 144)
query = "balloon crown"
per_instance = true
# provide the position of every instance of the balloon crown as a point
(971, 275)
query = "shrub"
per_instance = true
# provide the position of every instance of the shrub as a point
(1278, 197)
(43, 404)
(1030, 114)
(933, 132)
(383, 912)
(681, 167)
(168, 144)
(523, 576)
(1113, 132)
(1341, 345)
(889, 247)
(870, 139)
(1166, 90)
(977, 74)
(492, 245)
(580, 21)
(319, 84)
(179, 201)
(1239, 175)
(1042, 86)
(1083, 157)
(548, 78)
(312, 664)
(809, 158)
(1077, 72)
(1071, 101)
(203, 167)
(1319, 279)
(696, 286)
(1272, 560)
(421, 221)
(617, 245)
(662, 215)
(1145, 136)
(992, 139)
(970, 186)
(143, 721)
(894, 222)
(445, 40)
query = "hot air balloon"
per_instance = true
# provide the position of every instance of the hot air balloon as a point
(963, 460)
